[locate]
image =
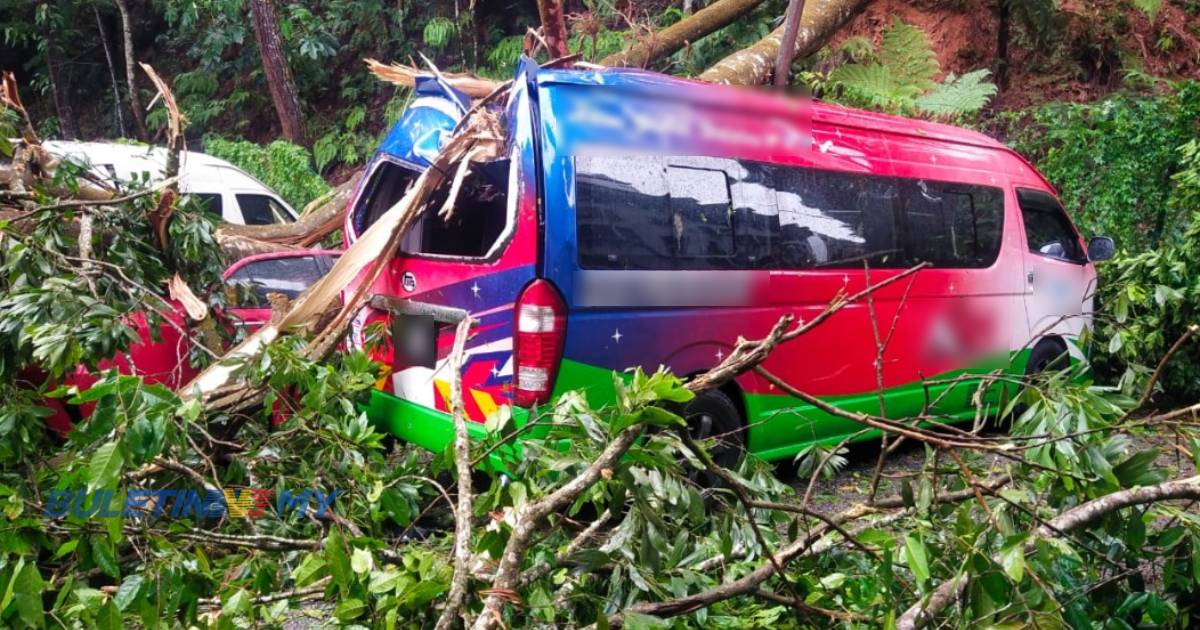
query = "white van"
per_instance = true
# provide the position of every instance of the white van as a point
(226, 190)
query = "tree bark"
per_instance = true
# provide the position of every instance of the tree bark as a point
(135, 100)
(279, 74)
(112, 73)
(787, 47)
(62, 101)
(755, 64)
(554, 27)
(1003, 19)
(686, 31)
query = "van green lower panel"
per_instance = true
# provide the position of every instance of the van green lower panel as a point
(780, 425)
(429, 428)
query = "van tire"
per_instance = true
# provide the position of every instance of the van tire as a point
(710, 414)
(1047, 356)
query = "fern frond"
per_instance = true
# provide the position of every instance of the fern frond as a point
(869, 85)
(958, 95)
(438, 31)
(905, 52)
(858, 49)
(1149, 7)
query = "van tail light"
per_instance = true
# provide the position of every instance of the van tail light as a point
(541, 330)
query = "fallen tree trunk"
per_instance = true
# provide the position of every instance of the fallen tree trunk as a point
(682, 33)
(320, 218)
(754, 65)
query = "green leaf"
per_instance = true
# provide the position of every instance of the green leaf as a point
(349, 609)
(238, 603)
(27, 597)
(105, 466)
(128, 591)
(1012, 559)
(105, 557)
(310, 570)
(12, 584)
(338, 561)
(1139, 470)
(959, 95)
(109, 618)
(916, 558)
(1149, 7)
(361, 561)
(66, 548)
(638, 621)
(383, 582)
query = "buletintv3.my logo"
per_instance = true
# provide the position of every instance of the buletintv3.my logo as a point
(175, 503)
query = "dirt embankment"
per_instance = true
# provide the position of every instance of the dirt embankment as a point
(1084, 49)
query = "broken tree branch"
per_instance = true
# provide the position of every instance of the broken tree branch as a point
(406, 76)
(462, 463)
(921, 613)
(787, 45)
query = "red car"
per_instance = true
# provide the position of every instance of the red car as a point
(165, 360)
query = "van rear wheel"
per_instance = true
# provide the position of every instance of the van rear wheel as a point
(713, 416)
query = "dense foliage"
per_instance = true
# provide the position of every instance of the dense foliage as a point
(1113, 161)
(283, 166)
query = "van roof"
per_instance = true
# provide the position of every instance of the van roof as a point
(128, 159)
(755, 100)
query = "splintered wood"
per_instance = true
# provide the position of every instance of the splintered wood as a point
(398, 74)
(481, 139)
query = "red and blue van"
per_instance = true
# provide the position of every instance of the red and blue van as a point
(639, 220)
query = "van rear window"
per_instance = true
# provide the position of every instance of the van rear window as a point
(649, 212)
(479, 218)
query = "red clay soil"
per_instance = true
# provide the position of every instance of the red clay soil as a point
(1104, 39)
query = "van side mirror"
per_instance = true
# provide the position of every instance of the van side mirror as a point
(1101, 248)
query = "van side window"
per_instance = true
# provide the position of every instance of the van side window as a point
(830, 219)
(643, 212)
(653, 212)
(622, 213)
(261, 210)
(387, 184)
(479, 218)
(1047, 228)
(951, 225)
(701, 214)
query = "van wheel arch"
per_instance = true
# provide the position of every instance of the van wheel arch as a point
(1049, 350)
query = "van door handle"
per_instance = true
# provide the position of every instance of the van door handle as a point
(1029, 278)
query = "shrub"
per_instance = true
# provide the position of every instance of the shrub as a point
(283, 166)
(1151, 297)
(1112, 161)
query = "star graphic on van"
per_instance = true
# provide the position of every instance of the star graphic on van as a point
(720, 355)
(475, 289)
(617, 335)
